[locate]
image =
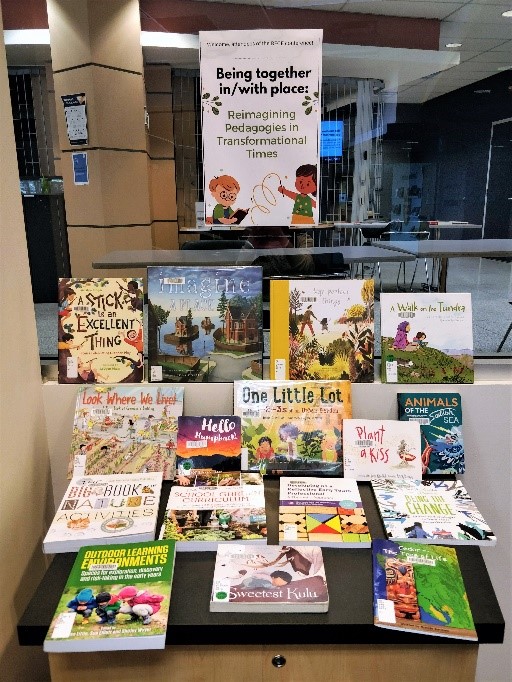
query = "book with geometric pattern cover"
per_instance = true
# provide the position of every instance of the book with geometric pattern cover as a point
(322, 511)
(420, 589)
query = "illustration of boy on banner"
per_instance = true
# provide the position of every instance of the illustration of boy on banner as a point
(224, 189)
(305, 184)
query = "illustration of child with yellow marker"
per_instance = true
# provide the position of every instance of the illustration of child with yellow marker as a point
(305, 184)
(224, 189)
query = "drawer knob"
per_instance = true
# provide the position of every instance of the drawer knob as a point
(278, 661)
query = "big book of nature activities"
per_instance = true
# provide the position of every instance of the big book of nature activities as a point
(419, 588)
(105, 509)
(322, 329)
(426, 338)
(262, 579)
(322, 511)
(125, 430)
(381, 447)
(205, 323)
(435, 512)
(293, 425)
(100, 331)
(207, 443)
(116, 598)
(223, 509)
(440, 418)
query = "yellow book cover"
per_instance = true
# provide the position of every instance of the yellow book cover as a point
(322, 329)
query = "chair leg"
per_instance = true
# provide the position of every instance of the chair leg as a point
(504, 338)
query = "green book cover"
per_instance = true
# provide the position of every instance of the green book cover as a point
(419, 588)
(116, 598)
(440, 418)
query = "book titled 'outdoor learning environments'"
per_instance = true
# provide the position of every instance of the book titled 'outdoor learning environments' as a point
(419, 588)
(322, 329)
(100, 331)
(435, 512)
(426, 338)
(322, 511)
(105, 509)
(205, 323)
(440, 418)
(125, 429)
(293, 425)
(116, 598)
(261, 579)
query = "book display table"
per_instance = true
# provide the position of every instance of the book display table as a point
(342, 644)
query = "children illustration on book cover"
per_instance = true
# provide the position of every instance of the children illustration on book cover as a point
(205, 323)
(100, 331)
(427, 338)
(121, 429)
(329, 330)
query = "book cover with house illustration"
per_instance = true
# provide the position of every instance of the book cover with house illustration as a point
(205, 323)
(426, 338)
(322, 329)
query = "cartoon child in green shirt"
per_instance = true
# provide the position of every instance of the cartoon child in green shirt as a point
(305, 184)
(224, 189)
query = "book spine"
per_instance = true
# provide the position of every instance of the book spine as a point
(279, 329)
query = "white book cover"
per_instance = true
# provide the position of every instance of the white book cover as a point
(381, 447)
(435, 512)
(426, 338)
(105, 509)
(322, 511)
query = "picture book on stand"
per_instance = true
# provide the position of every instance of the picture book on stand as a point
(426, 338)
(266, 579)
(115, 598)
(292, 425)
(125, 430)
(322, 329)
(420, 589)
(205, 323)
(435, 512)
(100, 331)
(105, 509)
(381, 447)
(322, 511)
(440, 418)
(207, 445)
(216, 509)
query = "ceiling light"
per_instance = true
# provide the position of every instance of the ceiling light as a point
(503, 68)
(453, 45)
(508, 13)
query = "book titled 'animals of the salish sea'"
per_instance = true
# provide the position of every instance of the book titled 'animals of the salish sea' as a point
(381, 447)
(426, 338)
(125, 429)
(105, 509)
(116, 598)
(322, 329)
(205, 323)
(100, 331)
(440, 418)
(292, 425)
(419, 588)
(261, 579)
(322, 511)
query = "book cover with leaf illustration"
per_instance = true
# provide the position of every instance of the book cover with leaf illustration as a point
(100, 331)
(440, 418)
(426, 338)
(322, 329)
(322, 511)
(419, 588)
(115, 598)
(293, 425)
(435, 512)
(205, 323)
(105, 509)
(125, 429)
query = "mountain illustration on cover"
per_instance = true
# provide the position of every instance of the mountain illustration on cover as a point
(427, 338)
(205, 323)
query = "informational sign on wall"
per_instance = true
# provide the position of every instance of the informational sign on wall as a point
(76, 118)
(80, 168)
(260, 97)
